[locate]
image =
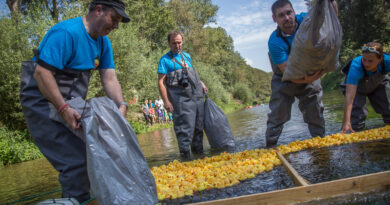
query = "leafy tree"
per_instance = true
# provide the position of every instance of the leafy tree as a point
(365, 21)
(12, 49)
(53, 7)
(154, 20)
(189, 14)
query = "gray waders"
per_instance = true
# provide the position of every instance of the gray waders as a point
(283, 96)
(188, 111)
(377, 88)
(64, 150)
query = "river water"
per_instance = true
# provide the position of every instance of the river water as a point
(248, 126)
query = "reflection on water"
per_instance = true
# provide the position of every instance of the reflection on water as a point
(248, 127)
(27, 179)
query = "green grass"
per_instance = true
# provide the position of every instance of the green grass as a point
(141, 127)
(231, 107)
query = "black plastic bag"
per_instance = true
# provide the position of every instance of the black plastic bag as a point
(217, 127)
(316, 44)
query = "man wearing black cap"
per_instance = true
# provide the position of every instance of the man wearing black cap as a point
(59, 72)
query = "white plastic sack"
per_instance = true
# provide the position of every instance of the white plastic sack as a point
(316, 43)
(217, 127)
(117, 169)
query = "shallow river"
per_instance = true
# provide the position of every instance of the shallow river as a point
(248, 126)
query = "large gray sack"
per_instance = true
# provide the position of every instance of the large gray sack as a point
(117, 169)
(217, 127)
(316, 44)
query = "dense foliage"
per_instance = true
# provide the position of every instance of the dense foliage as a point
(15, 148)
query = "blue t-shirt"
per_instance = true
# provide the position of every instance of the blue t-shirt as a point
(278, 49)
(356, 72)
(166, 65)
(68, 45)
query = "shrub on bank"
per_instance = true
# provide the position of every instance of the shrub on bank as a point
(140, 127)
(15, 147)
(242, 92)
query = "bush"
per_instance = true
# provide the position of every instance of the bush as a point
(15, 147)
(10, 62)
(140, 127)
(210, 78)
(242, 92)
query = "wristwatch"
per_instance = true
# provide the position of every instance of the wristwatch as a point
(123, 103)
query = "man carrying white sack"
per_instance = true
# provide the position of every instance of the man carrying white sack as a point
(308, 89)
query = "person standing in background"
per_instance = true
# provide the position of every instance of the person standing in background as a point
(145, 111)
(182, 93)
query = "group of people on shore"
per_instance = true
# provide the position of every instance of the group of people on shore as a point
(155, 112)
(61, 70)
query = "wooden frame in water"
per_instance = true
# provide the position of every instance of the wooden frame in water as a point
(311, 192)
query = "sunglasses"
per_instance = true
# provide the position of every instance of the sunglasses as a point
(370, 49)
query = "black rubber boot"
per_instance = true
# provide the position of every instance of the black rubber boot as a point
(229, 149)
(185, 156)
(271, 143)
(197, 151)
(358, 128)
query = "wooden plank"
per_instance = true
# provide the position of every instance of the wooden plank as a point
(297, 179)
(359, 184)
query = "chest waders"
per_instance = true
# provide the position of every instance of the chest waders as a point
(64, 150)
(377, 88)
(283, 95)
(188, 108)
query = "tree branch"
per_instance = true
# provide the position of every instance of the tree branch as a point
(14, 5)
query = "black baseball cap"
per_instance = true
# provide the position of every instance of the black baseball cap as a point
(118, 5)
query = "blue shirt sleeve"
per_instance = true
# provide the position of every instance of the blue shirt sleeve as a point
(387, 63)
(55, 51)
(356, 72)
(300, 17)
(107, 58)
(278, 50)
(163, 66)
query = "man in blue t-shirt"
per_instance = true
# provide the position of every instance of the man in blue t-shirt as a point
(60, 72)
(366, 77)
(308, 90)
(182, 93)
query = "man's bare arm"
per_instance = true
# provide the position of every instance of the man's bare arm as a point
(49, 88)
(113, 88)
(163, 92)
